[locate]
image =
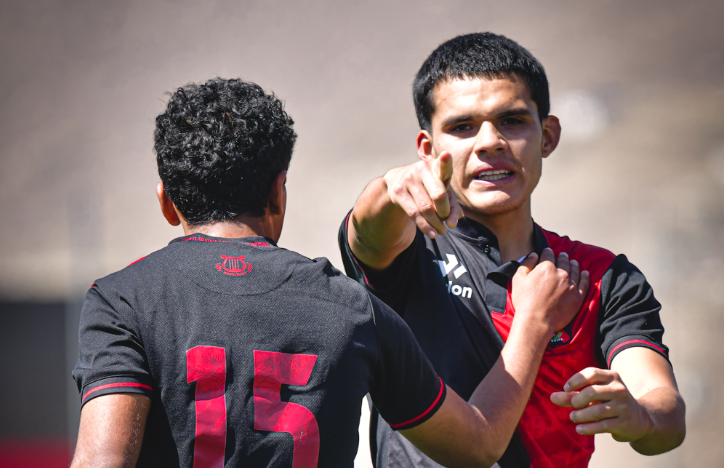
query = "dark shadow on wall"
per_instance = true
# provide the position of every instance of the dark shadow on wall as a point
(33, 394)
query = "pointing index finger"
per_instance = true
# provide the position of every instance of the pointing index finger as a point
(444, 167)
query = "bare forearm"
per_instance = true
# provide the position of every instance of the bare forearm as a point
(668, 428)
(111, 431)
(378, 230)
(503, 394)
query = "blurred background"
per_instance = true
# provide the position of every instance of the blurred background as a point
(638, 86)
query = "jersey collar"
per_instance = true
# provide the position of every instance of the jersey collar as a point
(475, 233)
(253, 241)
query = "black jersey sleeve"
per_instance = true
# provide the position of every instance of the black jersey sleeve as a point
(406, 390)
(112, 359)
(392, 283)
(629, 312)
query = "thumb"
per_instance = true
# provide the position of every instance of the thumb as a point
(444, 167)
(528, 263)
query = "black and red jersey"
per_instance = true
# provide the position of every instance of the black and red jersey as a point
(252, 355)
(454, 292)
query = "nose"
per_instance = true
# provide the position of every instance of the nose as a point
(489, 140)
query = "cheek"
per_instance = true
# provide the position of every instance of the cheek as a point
(459, 178)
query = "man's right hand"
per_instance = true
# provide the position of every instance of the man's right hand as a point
(423, 192)
(550, 293)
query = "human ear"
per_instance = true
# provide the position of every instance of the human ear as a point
(424, 146)
(551, 135)
(167, 207)
(278, 194)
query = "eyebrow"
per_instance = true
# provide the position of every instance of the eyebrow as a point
(520, 112)
(451, 121)
(454, 120)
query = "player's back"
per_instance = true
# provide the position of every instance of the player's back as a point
(252, 355)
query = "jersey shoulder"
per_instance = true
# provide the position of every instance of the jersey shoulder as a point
(135, 272)
(592, 258)
(332, 285)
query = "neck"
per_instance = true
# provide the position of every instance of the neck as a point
(514, 230)
(241, 226)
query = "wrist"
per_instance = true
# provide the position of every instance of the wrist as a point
(534, 329)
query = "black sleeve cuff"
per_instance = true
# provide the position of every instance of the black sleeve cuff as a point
(635, 341)
(115, 385)
(425, 415)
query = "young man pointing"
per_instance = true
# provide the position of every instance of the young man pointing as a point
(440, 240)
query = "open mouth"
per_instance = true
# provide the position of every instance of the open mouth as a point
(490, 176)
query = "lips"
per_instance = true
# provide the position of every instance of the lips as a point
(493, 175)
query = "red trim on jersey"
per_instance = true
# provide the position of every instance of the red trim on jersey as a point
(118, 384)
(434, 403)
(618, 346)
(133, 263)
(226, 241)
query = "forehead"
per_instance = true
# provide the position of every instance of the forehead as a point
(480, 96)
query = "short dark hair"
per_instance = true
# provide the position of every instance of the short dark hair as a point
(478, 55)
(219, 146)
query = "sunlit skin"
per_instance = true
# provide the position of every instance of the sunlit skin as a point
(486, 125)
(491, 128)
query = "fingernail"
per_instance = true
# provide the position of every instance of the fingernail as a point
(579, 429)
(522, 259)
(571, 416)
(431, 234)
(566, 388)
(574, 261)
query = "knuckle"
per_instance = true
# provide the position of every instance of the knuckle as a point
(437, 195)
(398, 189)
(413, 213)
(426, 208)
(408, 178)
(606, 425)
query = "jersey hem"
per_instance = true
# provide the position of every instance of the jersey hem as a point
(427, 414)
(114, 385)
(632, 342)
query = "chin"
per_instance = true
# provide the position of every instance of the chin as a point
(494, 206)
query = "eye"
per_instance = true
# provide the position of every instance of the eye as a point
(460, 128)
(512, 121)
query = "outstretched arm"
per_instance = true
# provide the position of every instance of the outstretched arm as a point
(637, 401)
(111, 431)
(546, 298)
(385, 217)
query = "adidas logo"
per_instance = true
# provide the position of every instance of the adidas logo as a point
(452, 266)
(447, 267)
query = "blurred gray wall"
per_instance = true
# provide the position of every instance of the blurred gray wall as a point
(639, 88)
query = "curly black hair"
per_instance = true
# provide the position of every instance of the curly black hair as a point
(478, 55)
(219, 146)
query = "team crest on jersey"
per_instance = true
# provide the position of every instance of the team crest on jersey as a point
(234, 266)
(561, 338)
